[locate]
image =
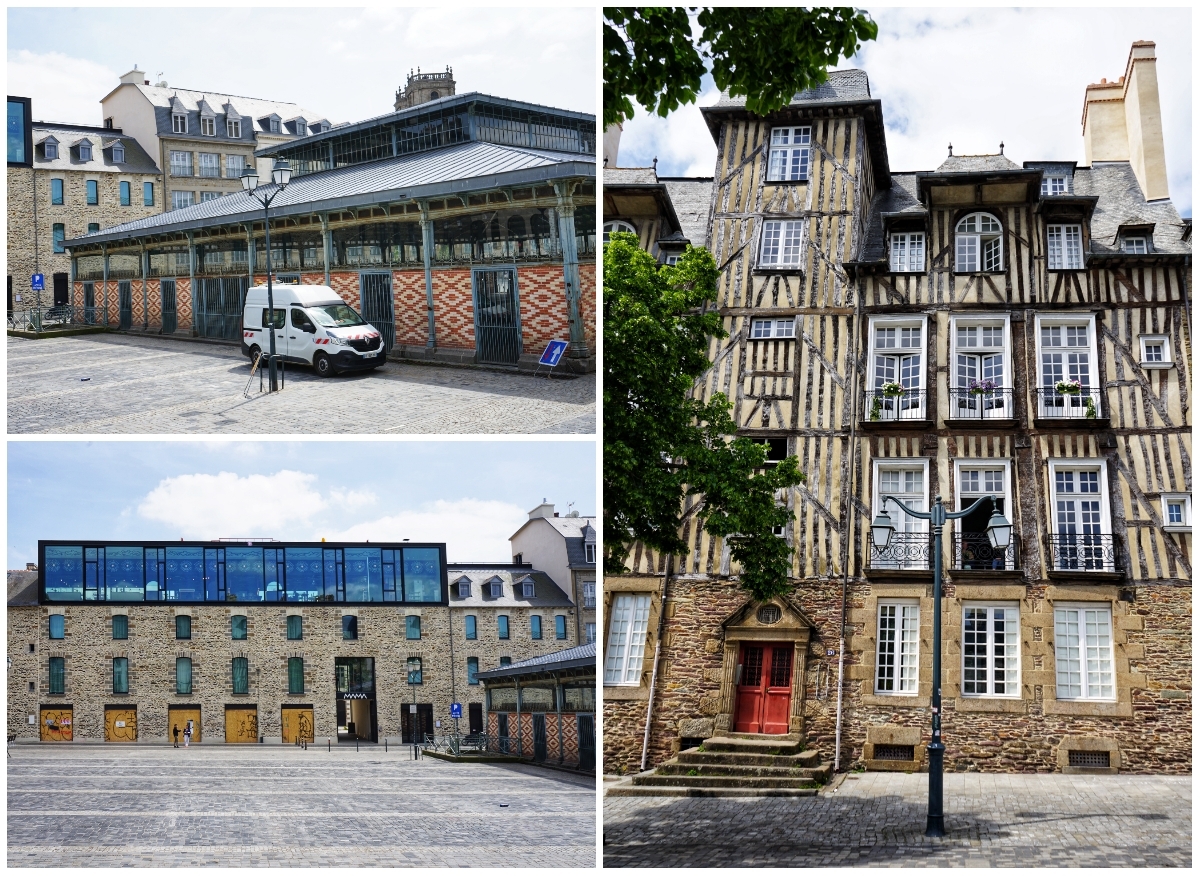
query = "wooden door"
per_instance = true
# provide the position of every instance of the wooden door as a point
(474, 718)
(120, 724)
(178, 716)
(297, 724)
(764, 692)
(57, 724)
(241, 724)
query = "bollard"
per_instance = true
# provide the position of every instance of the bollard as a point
(356, 743)
(385, 745)
(327, 741)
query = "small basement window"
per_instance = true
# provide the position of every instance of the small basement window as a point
(894, 752)
(1093, 759)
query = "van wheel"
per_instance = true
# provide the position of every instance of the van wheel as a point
(322, 365)
(254, 351)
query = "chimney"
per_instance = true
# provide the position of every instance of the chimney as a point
(134, 76)
(31, 567)
(1122, 121)
(612, 142)
(546, 509)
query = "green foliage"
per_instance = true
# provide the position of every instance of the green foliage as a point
(660, 443)
(767, 54)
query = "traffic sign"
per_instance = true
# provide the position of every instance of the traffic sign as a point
(39, 282)
(456, 710)
(553, 352)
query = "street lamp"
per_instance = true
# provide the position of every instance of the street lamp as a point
(999, 532)
(281, 175)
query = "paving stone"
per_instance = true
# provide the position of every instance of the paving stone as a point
(156, 385)
(878, 820)
(252, 806)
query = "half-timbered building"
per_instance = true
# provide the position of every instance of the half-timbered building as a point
(981, 329)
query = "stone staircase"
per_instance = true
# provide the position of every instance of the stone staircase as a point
(734, 765)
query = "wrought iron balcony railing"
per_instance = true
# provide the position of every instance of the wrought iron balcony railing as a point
(1083, 405)
(973, 552)
(969, 404)
(885, 407)
(906, 550)
(1083, 553)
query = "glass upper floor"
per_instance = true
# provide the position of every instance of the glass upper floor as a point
(242, 572)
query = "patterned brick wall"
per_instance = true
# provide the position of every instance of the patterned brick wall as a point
(412, 323)
(587, 304)
(454, 308)
(543, 306)
(346, 285)
(183, 304)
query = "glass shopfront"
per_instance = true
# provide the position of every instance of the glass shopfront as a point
(243, 573)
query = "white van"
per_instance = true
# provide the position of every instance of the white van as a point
(313, 326)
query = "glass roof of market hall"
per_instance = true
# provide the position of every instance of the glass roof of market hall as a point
(243, 572)
(450, 146)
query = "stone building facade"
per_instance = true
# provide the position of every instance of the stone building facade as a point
(981, 329)
(84, 664)
(80, 180)
(565, 548)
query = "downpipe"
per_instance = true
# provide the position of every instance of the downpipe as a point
(662, 623)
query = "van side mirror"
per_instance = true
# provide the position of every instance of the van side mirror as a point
(309, 327)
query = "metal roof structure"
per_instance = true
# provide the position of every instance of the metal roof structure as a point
(579, 657)
(454, 170)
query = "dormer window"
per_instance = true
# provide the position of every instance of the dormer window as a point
(527, 588)
(464, 587)
(51, 148)
(978, 244)
(1134, 245)
(179, 123)
(208, 126)
(908, 251)
(496, 588)
(1064, 247)
(118, 153)
(589, 553)
(85, 150)
(301, 129)
(788, 161)
(274, 125)
(233, 128)
(1055, 185)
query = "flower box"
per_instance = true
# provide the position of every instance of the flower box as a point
(893, 390)
(1068, 387)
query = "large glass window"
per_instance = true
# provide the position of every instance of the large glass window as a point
(979, 244)
(364, 575)
(295, 627)
(58, 626)
(124, 574)
(909, 545)
(244, 574)
(535, 626)
(20, 133)
(412, 627)
(990, 656)
(1064, 248)
(241, 675)
(120, 669)
(120, 626)
(58, 675)
(185, 574)
(305, 581)
(469, 624)
(908, 251)
(63, 573)
(896, 648)
(537, 699)
(1083, 652)
(295, 675)
(981, 386)
(238, 626)
(422, 575)
(789, 154)
(183, 675)
(626, 639)
(472, 670)
(1066, 357)
(502, 626)
(579, 698)
(355, 675)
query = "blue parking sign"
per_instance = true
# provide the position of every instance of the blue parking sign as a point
(39, 282)
(553, 352)
(456, 710)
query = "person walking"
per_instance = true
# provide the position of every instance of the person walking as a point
(187, 734)
(175, 731)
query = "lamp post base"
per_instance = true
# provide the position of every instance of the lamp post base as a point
(934, 821)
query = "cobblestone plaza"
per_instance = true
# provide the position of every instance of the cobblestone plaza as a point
(75, 805)
(878, 820)
(151, 385)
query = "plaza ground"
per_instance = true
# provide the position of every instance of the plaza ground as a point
(878, 820)
(154, 385)
(254, 805)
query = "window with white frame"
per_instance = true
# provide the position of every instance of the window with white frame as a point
(671, 258)
(908, 251)
(981, 382)
(630, 616)
(897, 369)
(1066, 351)
(898, 633)
(181, 163)
(589, 553)
(179, 123)
(118, 153)
(208, 126)
(1177, 512)
(1064, 247)
(1083, 652)
(234, 165)
(789, 154)
(780, 243)
(210, 164)
(763, 329)
(615, 225)
(1080, 533)
(905, 482)
(179, 200)
(233, 128)
(1055, 184)
(990, 654)
(1156, 351)
(978, 244)
(1134, 245)
(209, 196)
(973, 549)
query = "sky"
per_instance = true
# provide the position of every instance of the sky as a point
(975, 77)
(472, 495)
(341, 64)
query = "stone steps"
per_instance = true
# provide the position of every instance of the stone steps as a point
(738, 758)
(772, 772)
(748, 744)
(693, 791)
(719, 781)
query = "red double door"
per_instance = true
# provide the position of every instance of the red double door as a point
(764, 693)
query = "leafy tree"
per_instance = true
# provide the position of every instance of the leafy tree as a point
(766, 54)
(661, 443)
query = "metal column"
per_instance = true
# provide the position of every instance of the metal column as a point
(326, 237)
(427, 258)
(191, 277)
(104, 284)
(570, 253)
(145, 294)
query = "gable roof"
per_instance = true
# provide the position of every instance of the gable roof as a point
(977, 164)
(189, 101)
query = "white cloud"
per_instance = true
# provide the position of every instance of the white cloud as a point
(474, 529)
(205, 506)
(66, 89)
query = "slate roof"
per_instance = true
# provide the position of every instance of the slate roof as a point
(249, 108)
(842, 86)
(630, 176)
(1121, 203)
(581, 655)
(22, 587)
(976, 164)
(546, 592)
(463, 167)
(136, 159)
(691, 197)
(901, 198)
(574, 531)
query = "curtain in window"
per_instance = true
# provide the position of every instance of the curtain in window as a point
(241, 675)
(295, 675)
(183, 675)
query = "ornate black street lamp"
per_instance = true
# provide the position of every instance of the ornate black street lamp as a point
(999, 532)
(281, 175)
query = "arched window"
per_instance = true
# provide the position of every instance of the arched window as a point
(978, 244)
(615, 226)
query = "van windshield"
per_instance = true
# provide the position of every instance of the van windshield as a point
(335, 315)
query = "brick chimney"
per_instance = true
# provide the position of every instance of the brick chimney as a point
(1122, 121)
